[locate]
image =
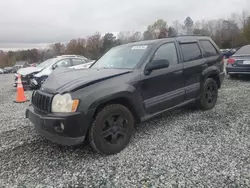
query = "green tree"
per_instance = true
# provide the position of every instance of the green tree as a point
(94, 44)
(147, 35)
(246, 30)
(172, 32)
(201, 32)
(76, 47)
(136, 36)
(34, 55)
(124, 37)
(58, 48)
(189, 25)
(155, 29)
(109, 41)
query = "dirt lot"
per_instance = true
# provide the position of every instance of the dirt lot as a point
(182, 148)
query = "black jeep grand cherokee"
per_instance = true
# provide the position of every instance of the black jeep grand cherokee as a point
(130, 83)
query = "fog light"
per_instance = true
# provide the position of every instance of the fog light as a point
(62, 126)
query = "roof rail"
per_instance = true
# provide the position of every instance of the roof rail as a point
(71, 56)
(192, 35)
(68, 55)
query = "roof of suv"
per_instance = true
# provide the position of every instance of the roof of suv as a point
(71, 56)
(184, 38)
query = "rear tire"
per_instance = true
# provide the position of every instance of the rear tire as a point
(111, 130)
(209, 94)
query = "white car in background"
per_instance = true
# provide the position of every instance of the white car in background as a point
(33, 77)
(1, 71)
(83, 66)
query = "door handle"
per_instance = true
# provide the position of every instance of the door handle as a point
(179, 72)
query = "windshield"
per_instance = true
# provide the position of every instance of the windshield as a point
(245, 50)
(122, 57)
(46, 63)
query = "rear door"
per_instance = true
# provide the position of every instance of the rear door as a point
(194, 64)
(211, 54)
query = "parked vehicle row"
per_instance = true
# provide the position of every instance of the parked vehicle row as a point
(33, 77)
(130, 83)
(1, 71)
(6, 70)
(18, 65)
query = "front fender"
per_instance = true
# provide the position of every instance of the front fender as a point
(99, 96)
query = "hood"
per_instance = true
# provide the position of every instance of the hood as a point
(45, 72)
(28, 70)
(64, 80)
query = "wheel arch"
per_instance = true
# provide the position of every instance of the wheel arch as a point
(125, 101)
(211, 72)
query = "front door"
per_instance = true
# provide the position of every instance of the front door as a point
(164, 88)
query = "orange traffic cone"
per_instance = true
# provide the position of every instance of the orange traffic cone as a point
(20, 97)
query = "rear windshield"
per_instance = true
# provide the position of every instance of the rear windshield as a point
(245, 50)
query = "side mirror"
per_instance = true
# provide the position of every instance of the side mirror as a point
(156, 64)
(54, 66)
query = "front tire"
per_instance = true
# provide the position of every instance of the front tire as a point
(111, 130)
(209, 94)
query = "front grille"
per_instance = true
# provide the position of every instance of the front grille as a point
(25, 79)
(42, 101)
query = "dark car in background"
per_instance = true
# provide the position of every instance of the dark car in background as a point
(227, 53)
(130, 83)
(3, 71)
(8, 70)
(239, 63)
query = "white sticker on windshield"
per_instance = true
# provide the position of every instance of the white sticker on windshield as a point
(142, 47)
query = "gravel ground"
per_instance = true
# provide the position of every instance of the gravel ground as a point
(182, 148)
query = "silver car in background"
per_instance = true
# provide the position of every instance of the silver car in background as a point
(239, 63)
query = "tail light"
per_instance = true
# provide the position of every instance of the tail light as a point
(231, 61)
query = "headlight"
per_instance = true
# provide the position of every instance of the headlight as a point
(64, 103)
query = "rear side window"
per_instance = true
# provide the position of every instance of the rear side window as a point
(208, 48)
(63, 63)
(78, 62)
(191, 51)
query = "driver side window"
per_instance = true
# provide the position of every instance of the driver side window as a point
(168, 52)
(63, 63)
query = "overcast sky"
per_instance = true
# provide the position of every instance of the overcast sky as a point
(34, 23)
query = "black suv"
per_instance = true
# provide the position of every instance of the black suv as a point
(130, 83)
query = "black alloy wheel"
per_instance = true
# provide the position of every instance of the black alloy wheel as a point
(115, 129)
(209, 94)
(112, 129)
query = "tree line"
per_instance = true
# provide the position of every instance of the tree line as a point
(227, 33)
